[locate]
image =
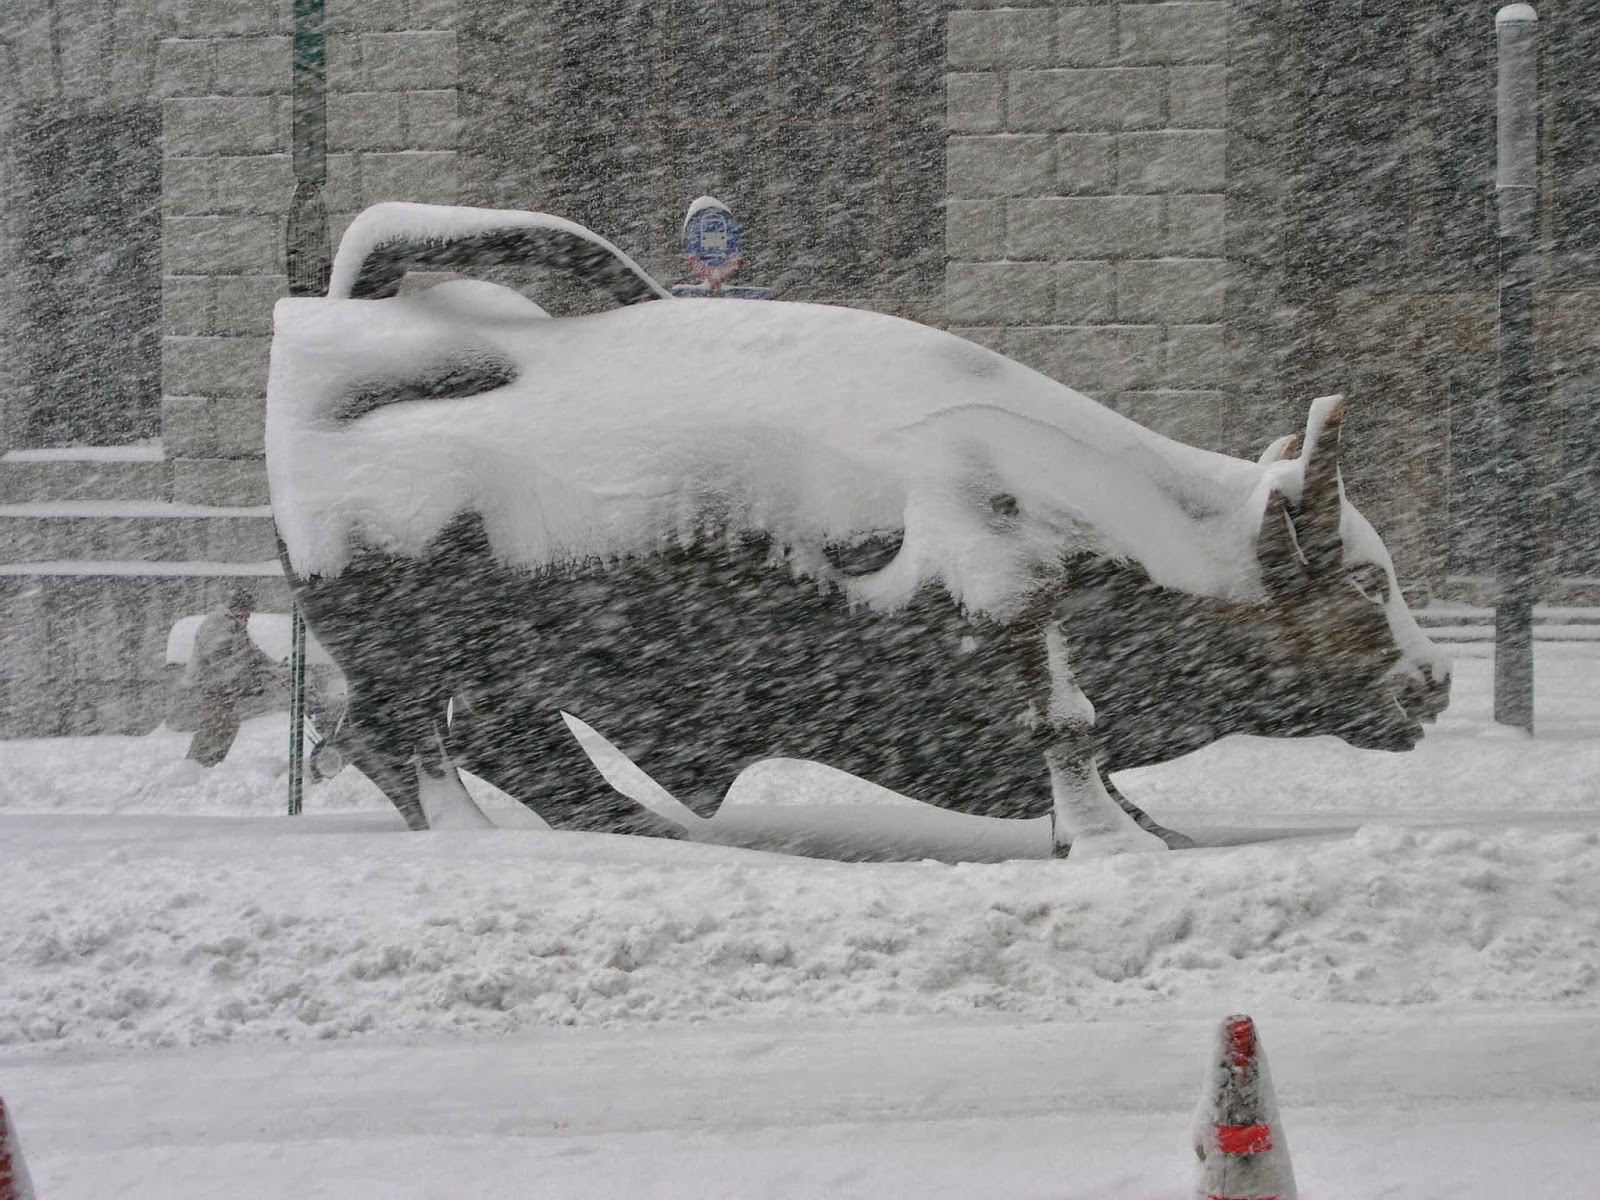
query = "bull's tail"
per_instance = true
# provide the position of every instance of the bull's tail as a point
(389, 239)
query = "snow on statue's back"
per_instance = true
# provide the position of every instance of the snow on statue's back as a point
(802, 421)
(833, 478)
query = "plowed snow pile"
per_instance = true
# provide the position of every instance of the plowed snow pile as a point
(218, 936)
(156, 926)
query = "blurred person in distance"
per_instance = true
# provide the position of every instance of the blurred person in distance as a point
(227, 668)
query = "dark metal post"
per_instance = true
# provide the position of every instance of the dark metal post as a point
(1516, 190)
(309, 261)
(297, 709)
(309, 264)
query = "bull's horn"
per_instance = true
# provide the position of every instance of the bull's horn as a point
(1279, 450)
(1317, 515)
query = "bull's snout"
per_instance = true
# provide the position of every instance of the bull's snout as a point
(1427, 693)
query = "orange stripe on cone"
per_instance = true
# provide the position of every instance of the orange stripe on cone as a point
(14, 1181)
(1244, 1139)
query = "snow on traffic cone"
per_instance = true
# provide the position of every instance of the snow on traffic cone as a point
(1238, 1136)
(14, 1181)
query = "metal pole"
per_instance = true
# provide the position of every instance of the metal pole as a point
(309, 264)
(1516, 28)
(297, 708)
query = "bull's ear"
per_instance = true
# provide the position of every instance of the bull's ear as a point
(1277, 548)
(1279, 450)
(1317, 515)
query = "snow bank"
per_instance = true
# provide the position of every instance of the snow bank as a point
(223, 934)
(134, 916)
(156, 926)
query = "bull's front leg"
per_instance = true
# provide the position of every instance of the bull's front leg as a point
(1087, 821)
(440, 792)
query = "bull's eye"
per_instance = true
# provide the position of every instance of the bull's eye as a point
(1371, 580)
(1003, 504)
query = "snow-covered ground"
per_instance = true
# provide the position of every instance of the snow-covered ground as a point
(201, 997)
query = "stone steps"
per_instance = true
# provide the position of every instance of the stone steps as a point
(153, 531)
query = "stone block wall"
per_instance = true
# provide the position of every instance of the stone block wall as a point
(1085, 225)
(224, 77)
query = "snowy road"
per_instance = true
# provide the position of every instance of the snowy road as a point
(1429, 1104)
(203, 998)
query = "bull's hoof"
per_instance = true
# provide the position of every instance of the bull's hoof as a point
(1116, 841)
(1173, 839)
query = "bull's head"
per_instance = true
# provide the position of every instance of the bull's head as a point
(1348, 657)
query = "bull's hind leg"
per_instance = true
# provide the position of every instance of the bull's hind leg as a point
(1088, 822)
(386, 760)
(385, 732)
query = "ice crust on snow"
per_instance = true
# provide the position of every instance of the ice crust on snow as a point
(626, 430)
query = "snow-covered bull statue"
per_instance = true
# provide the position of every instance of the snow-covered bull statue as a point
(723, 532)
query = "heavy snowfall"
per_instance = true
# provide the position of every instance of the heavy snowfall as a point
(1070, 278)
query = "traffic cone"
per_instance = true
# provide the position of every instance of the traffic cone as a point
(14, 1181)
(1238, 1137)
